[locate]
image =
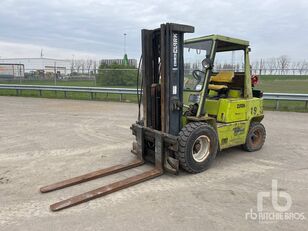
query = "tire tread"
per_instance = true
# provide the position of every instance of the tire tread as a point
(183, 139)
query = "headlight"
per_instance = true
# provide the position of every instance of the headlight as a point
(194, 98)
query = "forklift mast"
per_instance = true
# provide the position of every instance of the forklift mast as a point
(163, 76)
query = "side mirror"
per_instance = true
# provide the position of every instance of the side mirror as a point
(207, 63)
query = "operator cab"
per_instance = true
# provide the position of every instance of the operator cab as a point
(216, 67)
(227, 55)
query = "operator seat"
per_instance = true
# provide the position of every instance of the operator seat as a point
(216, 82)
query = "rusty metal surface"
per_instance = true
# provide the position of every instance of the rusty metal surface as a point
(163, 68)
(159, 152)
(91, 176)
(107, 189)
(160, 162)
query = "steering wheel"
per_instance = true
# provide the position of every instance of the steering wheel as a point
(198, 75)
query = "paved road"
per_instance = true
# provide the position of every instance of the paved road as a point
(46, 140)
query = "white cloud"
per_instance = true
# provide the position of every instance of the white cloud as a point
(21, 50)
(96, 27)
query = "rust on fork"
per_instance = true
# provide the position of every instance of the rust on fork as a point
(91, 176)
(107, 189)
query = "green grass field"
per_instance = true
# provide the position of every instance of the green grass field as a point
(269, 83)
(282, 84)
(84, 83)
(71, 95)
(286, 86)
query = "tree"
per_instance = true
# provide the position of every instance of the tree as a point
(89, 63)
(283, 63)
(255, 67)
(271, 64)
(94, 66)
(262, 67)
(294, 67)
(116, 75)
(302, 67)
(72, 66)
(78, 64)
(82, 66)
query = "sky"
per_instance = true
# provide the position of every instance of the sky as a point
(69, 29)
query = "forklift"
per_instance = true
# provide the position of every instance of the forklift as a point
(188, 116)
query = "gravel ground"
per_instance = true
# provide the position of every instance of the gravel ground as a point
(46, 140)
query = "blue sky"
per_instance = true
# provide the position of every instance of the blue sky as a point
(94, 28)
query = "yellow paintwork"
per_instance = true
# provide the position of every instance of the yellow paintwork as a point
(232, 134)
(213, 93)
(217, 87)
(230, 115)
(223, 77)
(219, 37)
(227, 110)
(233, 118)
(232, 110)
(234, 93)
(212, 107)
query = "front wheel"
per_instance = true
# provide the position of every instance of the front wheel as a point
(198, 145)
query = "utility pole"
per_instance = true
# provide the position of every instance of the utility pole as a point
(124, 43)
(125, 59)
(232, 60)
(55, 73)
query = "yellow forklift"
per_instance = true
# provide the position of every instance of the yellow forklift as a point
(188, 115)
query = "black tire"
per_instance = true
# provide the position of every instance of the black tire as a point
(208, 143)
(255, 137)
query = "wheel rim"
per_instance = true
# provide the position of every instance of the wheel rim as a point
(256, 138)
(201, 148)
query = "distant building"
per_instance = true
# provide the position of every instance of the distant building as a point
(131, 62)
(41, 64)
(46, 68)
(11, 70)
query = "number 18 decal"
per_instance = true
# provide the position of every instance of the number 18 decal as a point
(254, 110)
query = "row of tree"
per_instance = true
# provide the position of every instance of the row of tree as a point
(113, 75)
(280, 65)
(83, 66)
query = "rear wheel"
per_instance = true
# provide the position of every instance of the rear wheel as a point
(198, 145)
(255, 137)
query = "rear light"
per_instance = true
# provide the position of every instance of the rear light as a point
(254, 80)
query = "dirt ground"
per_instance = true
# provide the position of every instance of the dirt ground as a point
(46, 140)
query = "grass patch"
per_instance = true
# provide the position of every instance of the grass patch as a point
(297, 106)
(268, 83)
(283, 86)
(71, 95)
(80, 83)
(284, 77)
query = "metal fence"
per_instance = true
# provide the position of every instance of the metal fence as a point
(287, 97)
(87, 77)
(127, 77)
(279, 71)
(130, 91)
